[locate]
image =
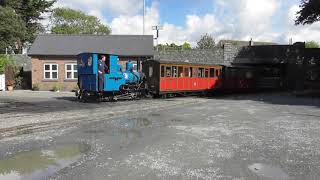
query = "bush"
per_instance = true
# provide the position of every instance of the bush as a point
(4, 62)
(57, 87)
(35, 87)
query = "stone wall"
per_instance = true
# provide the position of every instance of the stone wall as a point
(24, 63)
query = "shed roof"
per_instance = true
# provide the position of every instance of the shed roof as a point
(71, 45)
(243, 43)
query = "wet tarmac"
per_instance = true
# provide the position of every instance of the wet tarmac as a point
(238, 138)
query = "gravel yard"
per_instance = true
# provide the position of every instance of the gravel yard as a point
(260, 136)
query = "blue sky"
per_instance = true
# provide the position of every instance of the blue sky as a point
(187, 20)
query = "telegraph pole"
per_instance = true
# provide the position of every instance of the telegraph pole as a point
(144, 6)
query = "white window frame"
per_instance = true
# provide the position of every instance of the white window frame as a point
(50, 71)
(72, 71)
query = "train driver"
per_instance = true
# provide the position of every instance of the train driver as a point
(101, 71)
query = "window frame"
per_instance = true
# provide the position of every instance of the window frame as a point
(50, 71)
(166, 75)
(180, 71)
(72, 71)
(174, 72)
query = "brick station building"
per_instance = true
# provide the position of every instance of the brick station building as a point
(53, 57)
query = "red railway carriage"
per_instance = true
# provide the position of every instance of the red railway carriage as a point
(165, 77)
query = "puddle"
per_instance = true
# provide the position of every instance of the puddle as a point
(38, 164)
(268, 171)
(132, 123)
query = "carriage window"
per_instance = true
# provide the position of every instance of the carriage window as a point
(162, 71)
(168, 71)
(195, 72)
(207, 73)
(201, 72)
(186, 72)
(212, 72)
(180, 71)
(217, 72)
(174, 71)
(190, 71)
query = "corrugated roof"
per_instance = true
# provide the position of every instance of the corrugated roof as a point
(123, 45)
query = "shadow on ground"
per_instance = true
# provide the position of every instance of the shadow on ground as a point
(277, 98)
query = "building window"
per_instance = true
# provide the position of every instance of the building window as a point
(71, 71)
(50, 71)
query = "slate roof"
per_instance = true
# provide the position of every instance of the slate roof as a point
(71, 45)
(243, 43)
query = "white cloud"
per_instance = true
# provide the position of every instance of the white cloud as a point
(243, 19)
(301, 33)
(127, 24)
(108, 6)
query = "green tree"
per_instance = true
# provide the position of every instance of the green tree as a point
(69, 21)
(206, 42)
(186, 45)
(31, 12)
(312, 44)
(309, 13)
(12, 28)
(4, 61)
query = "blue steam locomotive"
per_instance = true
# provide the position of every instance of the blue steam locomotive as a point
(116, 83)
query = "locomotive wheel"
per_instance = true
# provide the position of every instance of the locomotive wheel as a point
(84, 96)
